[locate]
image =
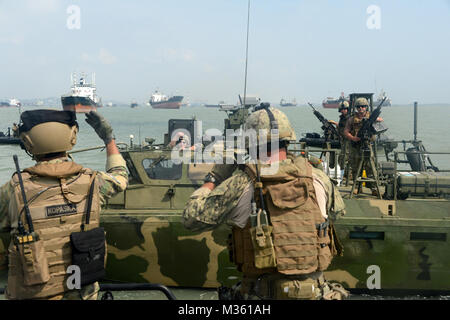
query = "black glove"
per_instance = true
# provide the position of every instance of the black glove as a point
(100, 125)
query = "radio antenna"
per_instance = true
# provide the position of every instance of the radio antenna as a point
(246, 54)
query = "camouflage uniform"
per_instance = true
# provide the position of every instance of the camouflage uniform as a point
(230, 202)
(111, 182)
(344, 155)
(355, 152)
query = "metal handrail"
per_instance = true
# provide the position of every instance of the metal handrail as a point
(137, 286)
(131, 287)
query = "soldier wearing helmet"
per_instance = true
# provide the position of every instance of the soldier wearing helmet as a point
(344, 110)
(344, 155)
(57, 191)
(352, 126)
(278, 260)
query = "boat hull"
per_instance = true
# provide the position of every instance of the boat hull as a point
(9, 140)
(331, 105)
(173, 103)
(372, 238)
(79, 104)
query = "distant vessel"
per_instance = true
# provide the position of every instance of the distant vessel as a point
(161, 101)
(381, 96)
(134, 104)
(82, 96)
(8, 138)
(10, 103)
(215, 105)
(186, 103)
(333, 103)
(283, 103)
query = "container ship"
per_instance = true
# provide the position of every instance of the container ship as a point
(161, 101)
(82, 96)
(332, 103)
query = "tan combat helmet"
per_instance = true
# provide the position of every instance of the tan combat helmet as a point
(343, 105)
(260, 119)
(48, 131)
(361, 102)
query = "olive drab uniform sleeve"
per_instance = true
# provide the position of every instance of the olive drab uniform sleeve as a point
(5, 194)
(5, 223)
(206, 209)
(115, 179)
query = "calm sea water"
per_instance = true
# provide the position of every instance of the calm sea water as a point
(142, 122)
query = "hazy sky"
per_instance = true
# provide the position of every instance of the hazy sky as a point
(303, 49)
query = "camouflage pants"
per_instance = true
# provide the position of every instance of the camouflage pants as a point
(282, 287)
(344, 155)
(355, 157)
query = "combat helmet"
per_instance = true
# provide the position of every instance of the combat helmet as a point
(266, 118)
(361, 102)
(48, 131)
(344, 105)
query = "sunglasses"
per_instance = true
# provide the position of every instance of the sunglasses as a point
(359, 107)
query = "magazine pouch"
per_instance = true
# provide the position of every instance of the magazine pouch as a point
(33, 260)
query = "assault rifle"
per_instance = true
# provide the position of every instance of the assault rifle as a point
(369, 127)
(328, 128)
(329, 132)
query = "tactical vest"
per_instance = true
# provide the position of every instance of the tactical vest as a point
(57, 195)
(357, 124)
(341, 125)
(300, 233)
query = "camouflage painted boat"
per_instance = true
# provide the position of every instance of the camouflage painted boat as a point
(399, 244)
(405, 239)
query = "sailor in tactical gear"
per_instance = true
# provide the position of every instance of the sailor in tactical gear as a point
(344, 154)
(282, 238)
(15, 130)
(352, 126)
(58, 192)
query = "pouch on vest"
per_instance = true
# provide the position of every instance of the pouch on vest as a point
(33, 259)
(89, 248)
(31, 248)
(263, 248)
(88, 253)
(296, 289)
